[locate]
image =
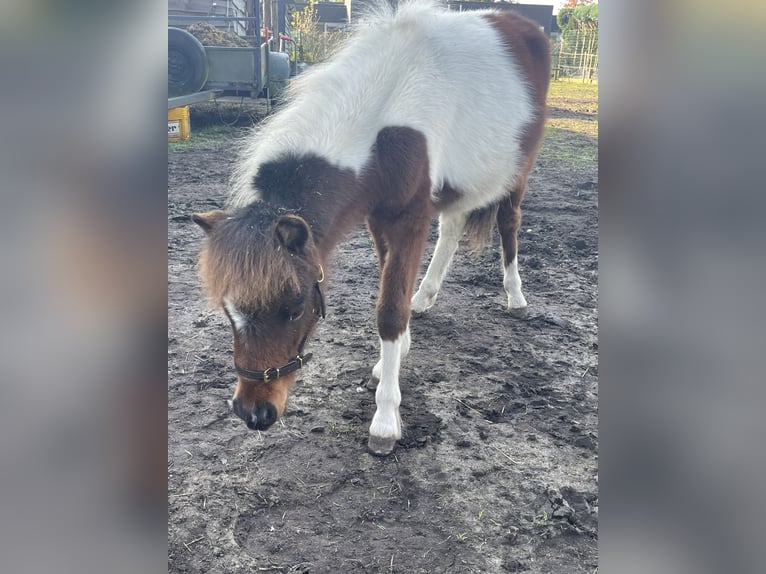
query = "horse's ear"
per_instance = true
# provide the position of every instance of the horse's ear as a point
(208, 219)
(293, 232)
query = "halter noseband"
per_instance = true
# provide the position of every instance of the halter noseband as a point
(273, 373)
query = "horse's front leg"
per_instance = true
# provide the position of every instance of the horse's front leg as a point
(450, 232)
(404, 237)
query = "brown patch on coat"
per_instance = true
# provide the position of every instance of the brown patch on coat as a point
(531, 50)
(398, 176)
(509, 220)
(327, 197)
(446, 196)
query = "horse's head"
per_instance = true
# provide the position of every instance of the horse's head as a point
(263, 270)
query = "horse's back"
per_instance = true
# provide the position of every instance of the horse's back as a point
(463, 80)
(474, 92)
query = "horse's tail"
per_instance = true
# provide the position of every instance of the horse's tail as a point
(479, 227)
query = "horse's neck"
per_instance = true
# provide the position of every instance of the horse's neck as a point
(330, 199)
(332, 215)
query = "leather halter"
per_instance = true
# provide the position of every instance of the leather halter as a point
(273, 373)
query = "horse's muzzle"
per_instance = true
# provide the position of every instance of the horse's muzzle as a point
(261, 417)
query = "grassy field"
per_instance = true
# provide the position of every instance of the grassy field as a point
(571, 134)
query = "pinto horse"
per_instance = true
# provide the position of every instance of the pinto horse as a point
(423, 112)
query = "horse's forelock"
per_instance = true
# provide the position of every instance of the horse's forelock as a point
(250, 269)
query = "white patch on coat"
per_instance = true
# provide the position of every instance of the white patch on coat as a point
(239, 320)
(446, 74)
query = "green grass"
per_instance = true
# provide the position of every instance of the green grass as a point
(203, 137)
(341, 429)
(572, 88)
(571, 131)
(568, 147)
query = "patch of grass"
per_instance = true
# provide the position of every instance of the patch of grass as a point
(571, 131)
(572, 89)
(585, 126)
(541, 518)
(341, 429)
(571, 148)
(205, 136)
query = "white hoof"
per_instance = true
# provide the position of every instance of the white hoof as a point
(381, 446)
(517, 301)
(385, 430)
(422, 302)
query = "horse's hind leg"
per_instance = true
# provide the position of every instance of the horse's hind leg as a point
(508, 223)
(450, 231)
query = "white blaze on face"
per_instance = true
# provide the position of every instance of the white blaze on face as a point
(240, 322)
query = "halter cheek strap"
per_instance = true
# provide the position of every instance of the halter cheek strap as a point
(273, 373)
(321, 311)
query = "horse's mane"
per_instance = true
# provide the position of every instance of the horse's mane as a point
(319, 92)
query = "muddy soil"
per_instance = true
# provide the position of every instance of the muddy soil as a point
(497, 468)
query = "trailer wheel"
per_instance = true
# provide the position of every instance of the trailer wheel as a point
(187, 63)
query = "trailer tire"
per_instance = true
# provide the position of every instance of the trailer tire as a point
(187, 63)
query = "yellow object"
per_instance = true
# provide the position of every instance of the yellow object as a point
(178, 124)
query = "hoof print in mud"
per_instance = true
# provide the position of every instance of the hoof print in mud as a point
(379, 446)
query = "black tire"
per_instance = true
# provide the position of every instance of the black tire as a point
(187, 63)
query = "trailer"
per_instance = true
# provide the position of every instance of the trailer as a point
(199, 73)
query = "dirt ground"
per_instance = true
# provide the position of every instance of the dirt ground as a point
(497, 468)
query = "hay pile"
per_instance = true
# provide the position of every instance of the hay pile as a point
(209, 35)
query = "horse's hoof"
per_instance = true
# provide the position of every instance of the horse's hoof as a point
(380, 446)
(519, 312)
(372, 383)
(420, 304)
(418, 311)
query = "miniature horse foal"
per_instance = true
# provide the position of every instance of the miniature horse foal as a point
(409, 120)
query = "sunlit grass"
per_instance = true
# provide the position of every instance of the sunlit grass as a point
(571, 131)
(573, 88)
(202, 137)
(568, 147)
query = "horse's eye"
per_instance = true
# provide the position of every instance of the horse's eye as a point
(295, 312)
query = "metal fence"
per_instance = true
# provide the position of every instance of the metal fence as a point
(575, 55)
